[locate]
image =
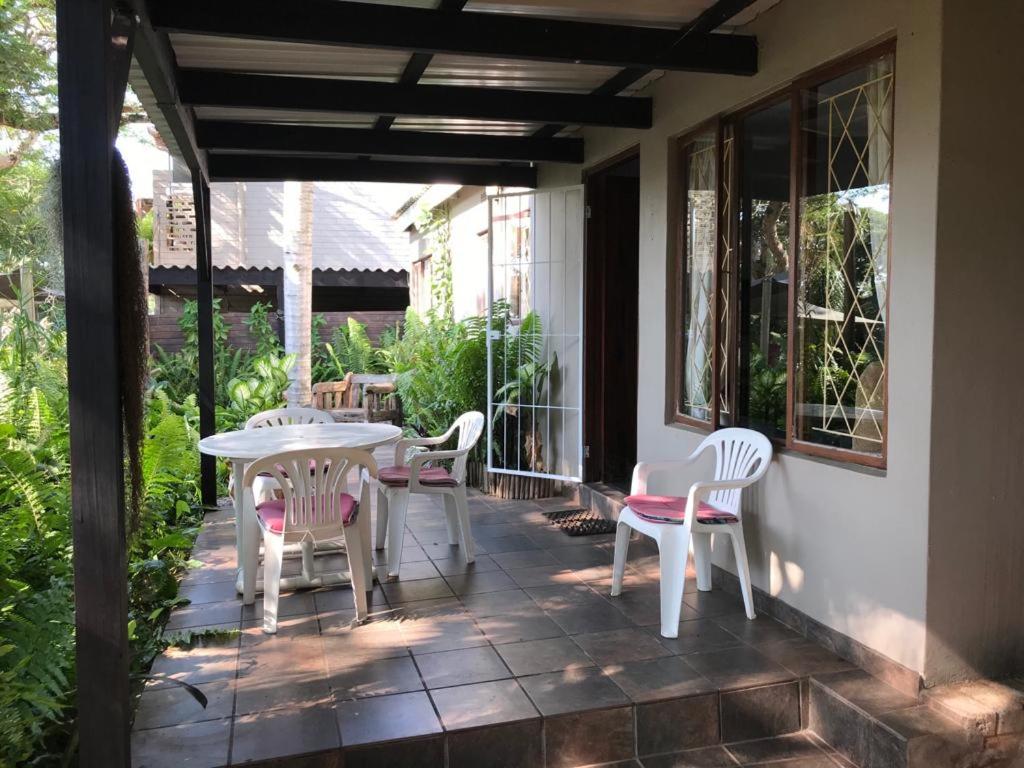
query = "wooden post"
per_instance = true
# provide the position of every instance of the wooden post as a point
(97, 457)
(204, 300)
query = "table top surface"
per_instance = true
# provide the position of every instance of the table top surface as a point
(250, 444)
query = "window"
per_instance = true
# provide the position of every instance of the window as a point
(781, 285)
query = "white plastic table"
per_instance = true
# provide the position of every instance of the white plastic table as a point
(246, 445)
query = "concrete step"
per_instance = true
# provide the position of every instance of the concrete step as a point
(605, 500)
(876, 726)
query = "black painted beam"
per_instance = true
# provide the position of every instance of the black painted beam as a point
(317, 94)
(495, 35)
(85, 71)
(276, 139)
(204, 305)
(276, 168)
(122, 42)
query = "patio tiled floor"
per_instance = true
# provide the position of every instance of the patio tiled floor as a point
(522, 655)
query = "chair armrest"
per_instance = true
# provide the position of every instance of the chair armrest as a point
(643, 471)
(402, 446)
(701, 490)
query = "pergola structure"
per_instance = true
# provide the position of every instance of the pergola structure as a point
(465, 92)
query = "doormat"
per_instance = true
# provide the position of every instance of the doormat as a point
(581, 522)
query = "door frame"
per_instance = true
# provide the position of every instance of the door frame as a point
(593, 319)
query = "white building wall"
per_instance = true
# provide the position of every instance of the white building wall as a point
(845, 545)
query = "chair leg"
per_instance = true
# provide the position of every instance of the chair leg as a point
(673, 550)
(382, 518)
(273, 553)
(398, 504)
(462, 510)
(366, 539)
(356, 548)
(308, 568)
(622, 534)
(742, 568)
(702, 560)
(250, 554)
(451, 518)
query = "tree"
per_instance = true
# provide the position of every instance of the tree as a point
(28, 76)
(298, 286)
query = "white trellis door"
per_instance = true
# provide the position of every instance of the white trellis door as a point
(535, 339)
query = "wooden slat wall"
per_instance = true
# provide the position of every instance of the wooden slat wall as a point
(164, 330)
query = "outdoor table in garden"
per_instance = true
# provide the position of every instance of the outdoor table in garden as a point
(245, 445)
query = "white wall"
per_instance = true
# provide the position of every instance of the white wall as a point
(846, 546)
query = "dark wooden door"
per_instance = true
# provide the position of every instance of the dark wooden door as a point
(611, 324)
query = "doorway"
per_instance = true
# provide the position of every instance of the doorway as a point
(611, 288)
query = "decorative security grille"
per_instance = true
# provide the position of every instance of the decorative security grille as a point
(727, 232)
(179, 224)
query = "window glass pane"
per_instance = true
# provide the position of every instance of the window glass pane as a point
(846, 125)
(764, 260)
(695, 397)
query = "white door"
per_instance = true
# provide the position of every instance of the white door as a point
(535, 343)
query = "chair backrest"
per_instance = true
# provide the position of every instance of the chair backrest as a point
(281, 417)
(740, 454)
(357, 393)
(311, 483)
(470, 426)
(331, 395)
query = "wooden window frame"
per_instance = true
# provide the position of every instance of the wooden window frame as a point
(677, 290)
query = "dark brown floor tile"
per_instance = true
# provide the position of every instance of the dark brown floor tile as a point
(519, 627)
(440, 628)
(820, 760)
(867, 692)
(591, 618)
(295, 658)
(773, 749)
(708, 757)
(738, 668)
(708, 605)
(669, 677)
(195, 745)
(804, 657)
(503, 603)
(620, 645)
(543, 576)
(287, 628)
(471, 706)
(283, 732)
(386, 718)
(585, 738)
(696, 636)
(582, 556)
(411, 591)
(678, 724)
(538, 656)
(408, 753)
(763, 629)
(461, 667)
(410, 571)
(530, 558)
(174, 705)
(641, 606)
(514, 543)
(291, 604)
(457, 565)
(516, 745)
(572, 690)
(442, 550)
(226, 612)
(206, 662)
(258, 694)
(478, 583)
(210, 592)
(375, 678)
(346, 643)
(755, 713)
(340, 599)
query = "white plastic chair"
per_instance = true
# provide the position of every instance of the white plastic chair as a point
(316, 506)
(742, 457)
(281, 417)
(410, 476)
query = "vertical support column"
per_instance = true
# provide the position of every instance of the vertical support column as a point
(204, 301)
(94, 393)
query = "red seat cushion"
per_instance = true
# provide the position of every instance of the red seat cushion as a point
(399, 476)
(271, 513)
(672, 509)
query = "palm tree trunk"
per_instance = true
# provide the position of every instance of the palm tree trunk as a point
(298, 286)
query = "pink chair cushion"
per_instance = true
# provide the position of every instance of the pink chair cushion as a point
(399, 476)
(672, 509)
(280, 468)
(271, 513)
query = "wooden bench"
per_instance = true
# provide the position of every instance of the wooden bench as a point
(360, 397)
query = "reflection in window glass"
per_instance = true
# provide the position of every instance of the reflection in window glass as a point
(698, 290)
(764, 253)
(846, 125)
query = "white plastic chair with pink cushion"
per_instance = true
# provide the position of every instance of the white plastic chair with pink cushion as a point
(742, 457)
(409, 475)
(315, 506)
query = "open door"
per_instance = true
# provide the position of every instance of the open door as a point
(535, 329)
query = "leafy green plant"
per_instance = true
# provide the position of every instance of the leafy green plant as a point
(262, 332)
(350, 351)
(262, 387)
